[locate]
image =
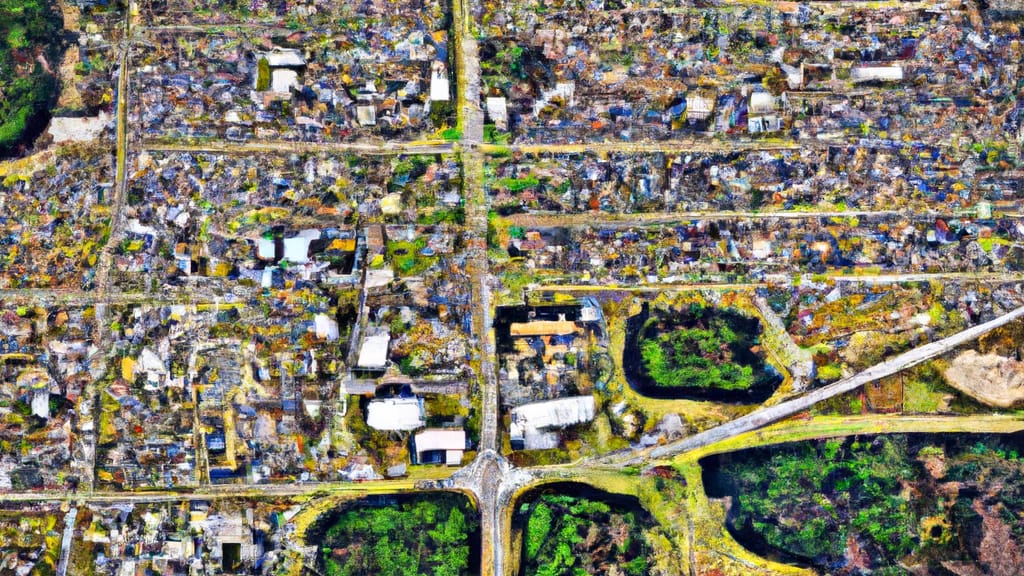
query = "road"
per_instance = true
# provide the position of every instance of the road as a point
(278, 146)
(488, 476)
(797, 430)
(100, 296)
(65, 541)
(606, 220)
(667, 147)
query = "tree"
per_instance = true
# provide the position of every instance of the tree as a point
(26, 25)
(263, 75)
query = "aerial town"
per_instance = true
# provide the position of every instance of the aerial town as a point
(511, 287)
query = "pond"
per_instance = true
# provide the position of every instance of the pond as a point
(571, 528)
(700, 353)
(423, 533)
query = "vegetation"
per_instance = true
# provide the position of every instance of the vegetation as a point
(576, 535)
(263, 75)
(845, 506)
(423, 535)
(409, 258)
(702, 347)
(35, 536)
(28, 29)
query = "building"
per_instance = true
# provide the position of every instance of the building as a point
(395, 414)
(876, 74)
(699, 105)
(373, 354)
(533, 425)
(543, 328)
(437, 446)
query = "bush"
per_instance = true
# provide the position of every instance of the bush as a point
(702, 348)
(263, 75)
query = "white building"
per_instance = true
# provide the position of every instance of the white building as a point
(533, 424)
(876, 74)
(373, 354)
(438, 446)
(395, 414)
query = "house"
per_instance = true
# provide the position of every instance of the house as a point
(285, 65)
(367, 115)
(395, 414)
(296, 248)
(285, 58)
(373, 354)
(559, 327)
(231, 539)
(436, 446)
(1006, 8)
(440, 89)
(563, 91)
(326, 327)
(762, 117)
(533, 424)
(761, 249)
(699, 105)
(876, 74)
(497, 109)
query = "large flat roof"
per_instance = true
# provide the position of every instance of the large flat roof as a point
(395, 414)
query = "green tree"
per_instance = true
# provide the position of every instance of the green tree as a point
(263, 75)
(25, 26)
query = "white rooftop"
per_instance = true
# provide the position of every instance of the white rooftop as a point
(453, 442)
(440, 439)
(395, 414)
(529, 420)
(881, 73)
(326, 327)
(439, 86)
(282, 81)
(284, 57)
(374, 351)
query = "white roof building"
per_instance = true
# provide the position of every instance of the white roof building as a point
(699, 106)
(876, 73)
(78, 129)
(395, 414)
(296, 248)
(440, 87)
(761, 103)
(326, 327)
(285, 58)
(532, 424)
(282, 81)
(497, 109)
(430, 443)
(374, 351)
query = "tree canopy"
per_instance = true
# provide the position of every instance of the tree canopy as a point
(28, 29)
(703, 348)
(427, 536)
